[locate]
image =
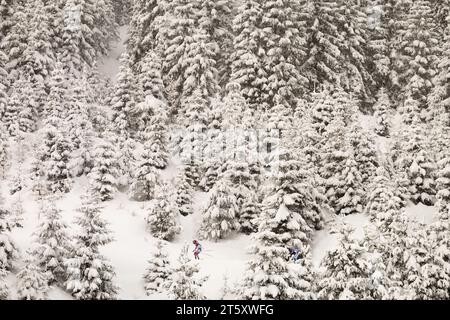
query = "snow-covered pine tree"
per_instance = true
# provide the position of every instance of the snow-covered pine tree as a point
(17, 182)
(38, 182)
(268, 274)
(125, 147)
(97, 90)
(241, 142)
(441, 10)
(443, 185)
(122, 11)
(249, 213)
(306, 139)
(387, 25)
(421, 175)
(158, 271)
(189, 59)
(321, 110)
(55, 12)
(277, 124)
(399, 246)
(220, 218)
(21, 111)
(8, 248)
(39, 55)
(340, 174)
(439, 270)
(4, 290)
(4, 157)
(71, 55)
(185, 283)
(356, 78)
(417, 58)
(6, 11)
(247, 66)
(89, 28)
(345, 273)
(440, 96)
(233, 106)
(215, 19)
(380, 43)
(17, 212)
(80, 128)
(434, 280)
(4, 83)
(283, 30)
(214, 146)
(8, 252)
(415, 161)
(30, 54)
(154, 130)
(378, 282)
(52, 243)
(213, 164)
(410, 110)
(55, 157)
(124, 99)
(336, 46)
(16, 40)
(351, 199)
(32, 283)
(293, 201)
(383, 113)
(201, 75)
(345, 105)
(195, 112)
(307, 275)
(150, 77)
(365, 152)
(183, 196)
(382, 198)
(162, 219)
(105, 171)
(146, 26)
(55, 109)
(238, 171)
(90, 274)
(146, 177)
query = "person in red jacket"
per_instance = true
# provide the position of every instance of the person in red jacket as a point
(197, 249)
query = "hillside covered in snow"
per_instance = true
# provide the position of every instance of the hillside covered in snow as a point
(304, 144)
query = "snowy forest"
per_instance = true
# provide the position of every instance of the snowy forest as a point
(131, 128)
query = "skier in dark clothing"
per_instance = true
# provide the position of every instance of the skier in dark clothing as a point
(294, 254)
(197, 249)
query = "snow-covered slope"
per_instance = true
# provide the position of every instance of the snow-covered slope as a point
(133, 244)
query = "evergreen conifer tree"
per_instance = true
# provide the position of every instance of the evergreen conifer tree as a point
(220, 215)
(90, 274)
(52, 244)
(105, 172)
(185, 283)
(32, 283)
(158, 271)
(162, 215)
